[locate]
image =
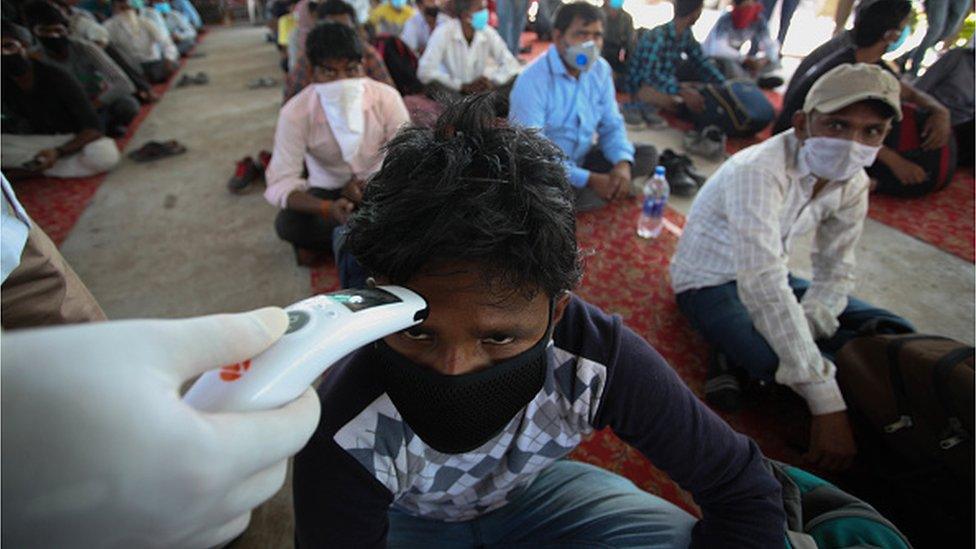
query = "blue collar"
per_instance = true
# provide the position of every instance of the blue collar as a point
(556, 65)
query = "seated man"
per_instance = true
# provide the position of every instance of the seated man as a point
(950, 82)
(389, 17)
(571, 103)
(652, 72)
(49, 127)
(180, 29)
(454, 432)
(142, 40)
(745, 22)
(730, 269)
(186, 8)
(465, 55)
(618, 40)
(878, 28)
(105, 84)
(335, 11)
(337, 127)
(417, 30)
(82, 25)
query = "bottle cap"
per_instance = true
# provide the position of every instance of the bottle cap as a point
(659, 170)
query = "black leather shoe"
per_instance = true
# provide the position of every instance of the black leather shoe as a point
(676, 171)
(722, 388)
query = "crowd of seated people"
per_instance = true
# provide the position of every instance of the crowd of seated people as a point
(477, 211)
(73, 79)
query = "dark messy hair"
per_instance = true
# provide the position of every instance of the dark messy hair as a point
(873, 20)
(335, 7)
(458, 7)
(567, 13)
(8, 29)
(472, 188)
(42, 12)
(330, 40)
(686, 7)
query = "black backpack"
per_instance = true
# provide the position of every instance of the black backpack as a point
(738, 107)
(401, 62)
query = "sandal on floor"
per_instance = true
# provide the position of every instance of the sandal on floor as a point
(154, 150)
(201, 78)
(185, 81)
(264, 82)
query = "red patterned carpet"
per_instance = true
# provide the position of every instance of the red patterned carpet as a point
(943, 219)
(57, 204)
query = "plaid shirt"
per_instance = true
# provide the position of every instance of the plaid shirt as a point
(654, 61)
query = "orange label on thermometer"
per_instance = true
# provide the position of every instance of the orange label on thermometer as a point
(234, 371)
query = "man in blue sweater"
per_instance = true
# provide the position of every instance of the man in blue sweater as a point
(568, 95)
(453, 433)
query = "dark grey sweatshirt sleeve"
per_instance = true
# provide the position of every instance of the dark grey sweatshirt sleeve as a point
(650, 408)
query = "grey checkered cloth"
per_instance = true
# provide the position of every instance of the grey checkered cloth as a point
(455, 487)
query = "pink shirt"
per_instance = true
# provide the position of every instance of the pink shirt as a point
(304, 137)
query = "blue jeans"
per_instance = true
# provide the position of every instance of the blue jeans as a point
(719, 315)
(512, 15)
(942, 17)
(569, 505)
(786, 12)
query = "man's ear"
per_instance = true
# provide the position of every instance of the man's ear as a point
(560, 308)
(800, 121)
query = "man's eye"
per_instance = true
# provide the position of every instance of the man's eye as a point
(498, 340)
(415, 335)
(836, 126)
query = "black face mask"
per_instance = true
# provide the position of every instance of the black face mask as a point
(459, 413)
(432, 12)
(57, 44)
(14, 64)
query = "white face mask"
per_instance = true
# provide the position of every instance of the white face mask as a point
(837, 159)
(342, 102)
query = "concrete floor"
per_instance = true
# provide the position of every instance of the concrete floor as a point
(166, 239)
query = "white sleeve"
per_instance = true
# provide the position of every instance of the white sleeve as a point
(754, 201)
(430, 69)
(506, 66)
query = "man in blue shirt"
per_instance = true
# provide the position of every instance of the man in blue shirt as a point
(568, 95)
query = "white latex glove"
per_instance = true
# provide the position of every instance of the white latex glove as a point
(821, 322)
(99, 450)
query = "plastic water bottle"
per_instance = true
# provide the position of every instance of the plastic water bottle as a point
(656, 193)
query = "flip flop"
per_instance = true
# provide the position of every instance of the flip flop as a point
(201, 78)
(185, 81)
(154, 150)
(263, 82)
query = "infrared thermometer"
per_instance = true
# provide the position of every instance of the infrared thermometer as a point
(321, 330)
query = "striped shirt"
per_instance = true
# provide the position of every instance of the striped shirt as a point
(742, 226)
(655, 60)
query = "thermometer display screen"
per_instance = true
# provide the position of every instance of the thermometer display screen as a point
(358, 300)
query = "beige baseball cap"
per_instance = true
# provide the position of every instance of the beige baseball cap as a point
(849, 83)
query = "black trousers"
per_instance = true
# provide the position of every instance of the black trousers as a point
(645, 159)
(309, 231)
(118, 113)
(157, 72)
